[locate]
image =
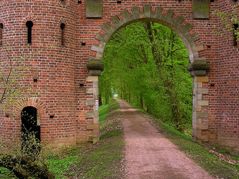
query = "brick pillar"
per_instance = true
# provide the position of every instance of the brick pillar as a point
(200, 109)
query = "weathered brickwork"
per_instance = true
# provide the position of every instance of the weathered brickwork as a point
(65, 93)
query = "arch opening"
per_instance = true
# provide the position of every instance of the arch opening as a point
(30, 129)
(199, 66)
(146, 64)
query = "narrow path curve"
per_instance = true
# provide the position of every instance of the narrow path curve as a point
(150, 155)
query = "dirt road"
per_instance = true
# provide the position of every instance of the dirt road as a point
(149, 155)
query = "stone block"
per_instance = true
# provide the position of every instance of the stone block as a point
(199, 72)
(126, 15)
(147, 10)
(89, 91)
(187, 27)
(92, 78)
(95, 72)
(100, 37)
(195, 37)
(200, 9)
(179, 20)
(203, 103)
(94, 8)
(106, 26)
(202, 115)
(168, 17)
(90, 102)
(202, 79)
(97, 49)
(199, 96)
(93, 127)
(170, 13)
(203, 125)
(202, 91)
(158, 13)
(90, 114)
(115, 20)
(135, 12)
(199, 48)
(204, 135)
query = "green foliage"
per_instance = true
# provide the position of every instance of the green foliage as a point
(59, 163)
(27, 162)
(105, 109)
(146, 64)
(228, 20)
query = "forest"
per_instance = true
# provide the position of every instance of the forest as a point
(146, 64)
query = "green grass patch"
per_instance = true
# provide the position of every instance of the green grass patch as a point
(105, 109)
(199, 153)
(102, 160)
(59, 163)
(6, 174)
(103, 112)
(94, 161)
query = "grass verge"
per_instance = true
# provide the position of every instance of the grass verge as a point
(103, 160)
(94, 161)
(105, 109)
(199, 153)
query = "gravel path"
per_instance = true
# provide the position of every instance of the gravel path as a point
(149, 155)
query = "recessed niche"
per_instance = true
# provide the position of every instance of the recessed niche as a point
(235, 37)
(52, 116)
(63, 26)
(200, 9)
(35, 80)
(94, 8)
(29, 25)
(1, 33)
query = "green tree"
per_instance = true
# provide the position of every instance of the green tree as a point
(146, 64)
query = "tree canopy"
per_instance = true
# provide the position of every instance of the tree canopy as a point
(146, 64)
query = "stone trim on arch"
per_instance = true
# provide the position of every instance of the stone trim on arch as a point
(33, 102)
(168, 18)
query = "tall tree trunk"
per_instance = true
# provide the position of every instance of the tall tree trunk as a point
(168, 82)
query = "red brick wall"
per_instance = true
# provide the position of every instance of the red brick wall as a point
(61, 70)
(53, 64)
(226, 84)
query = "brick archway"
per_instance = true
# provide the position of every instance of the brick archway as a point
(192, 43)
(31, 102)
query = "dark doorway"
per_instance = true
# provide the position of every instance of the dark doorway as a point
(29, 125)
